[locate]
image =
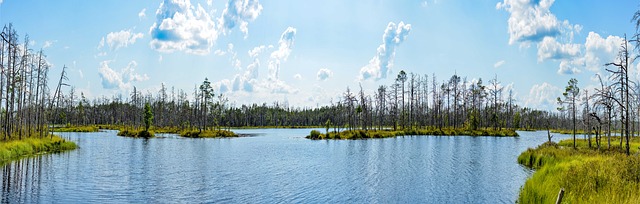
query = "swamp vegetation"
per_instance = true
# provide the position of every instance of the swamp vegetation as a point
(587, 174)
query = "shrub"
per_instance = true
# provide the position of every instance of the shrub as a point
(314, 134)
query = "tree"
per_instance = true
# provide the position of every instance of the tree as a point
(402, 77)
(621, 86)
(148, 117)
(571, 93)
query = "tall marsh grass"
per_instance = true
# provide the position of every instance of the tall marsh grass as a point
(588, 175)
(14, 149)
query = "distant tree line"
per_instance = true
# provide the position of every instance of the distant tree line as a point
(412, 101)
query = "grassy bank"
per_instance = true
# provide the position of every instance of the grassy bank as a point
(365, 134)
(207, 133)
(588, 175)
(15, 149)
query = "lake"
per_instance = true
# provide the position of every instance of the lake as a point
(273, 166)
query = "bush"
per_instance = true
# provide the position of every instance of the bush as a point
(314, 135)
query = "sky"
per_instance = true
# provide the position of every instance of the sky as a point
(306, 53)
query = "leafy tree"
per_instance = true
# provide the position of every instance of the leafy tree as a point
(148, 117)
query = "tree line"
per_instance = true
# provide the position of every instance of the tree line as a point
(412, 102)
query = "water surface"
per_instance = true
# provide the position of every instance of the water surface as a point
(276, 165)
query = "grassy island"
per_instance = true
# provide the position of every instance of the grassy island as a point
(15, 149)
(207, 133)
(366, 134)
(69, 128)
(588, 175)
(136, 133)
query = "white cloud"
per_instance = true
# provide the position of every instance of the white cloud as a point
(499, 63)
(530, 20)
(48, 43)
(297, 76)
(282, 53)
(256, 51)
(181, 26)
(549, 48)
(112, 79)
(543, 96)
(601, 50)
(239, 13)
(380, 65)
(120, 39)
(324, 74)
(142, 14)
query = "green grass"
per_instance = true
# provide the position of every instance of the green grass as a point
(15, 149)
(207, 133)
(366, 134)
(136, 133)
(588, 175)
(89, 128)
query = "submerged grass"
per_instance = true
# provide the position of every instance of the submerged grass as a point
(15, 149)
(365, 134)
(588, 175)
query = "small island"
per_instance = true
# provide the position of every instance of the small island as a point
(385, 133)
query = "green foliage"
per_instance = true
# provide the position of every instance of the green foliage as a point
(10, 150)
(314, 135)
(588, 175)
(148, 117)
(472, 120)
(207, 133)
(516, 120)
(327, 125)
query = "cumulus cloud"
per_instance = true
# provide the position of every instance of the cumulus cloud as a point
(601, 50)
(122, 79)
(380, 65)
(239, 13)
(297, 76)
(324, 74)
(181, 26)
(549, 48)
(530, 20)
(282, 53)
(120, 39)
(543, 96)
(499, 63)
(248, 81)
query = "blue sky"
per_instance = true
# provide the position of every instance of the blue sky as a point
(308, 52)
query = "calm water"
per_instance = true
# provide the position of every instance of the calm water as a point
(276, 166)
